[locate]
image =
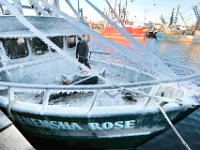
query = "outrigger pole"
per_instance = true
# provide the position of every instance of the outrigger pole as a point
(72, 8)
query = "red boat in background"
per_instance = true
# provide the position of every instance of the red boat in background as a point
(135, 31)
(121, 17)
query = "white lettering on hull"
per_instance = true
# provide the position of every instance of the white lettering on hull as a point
(110, 126)
(74, 126)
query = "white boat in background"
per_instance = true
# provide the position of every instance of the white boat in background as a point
(58, 103)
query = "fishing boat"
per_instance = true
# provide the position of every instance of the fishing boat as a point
(176, 35)
(58, 103)
(121, 18)
(135, 31)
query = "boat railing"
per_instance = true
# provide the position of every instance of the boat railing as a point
(194, 74)
(47, 91)
(99, 86)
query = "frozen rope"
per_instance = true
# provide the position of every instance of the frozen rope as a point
(172, 126)
(164, 99)
(9, 108)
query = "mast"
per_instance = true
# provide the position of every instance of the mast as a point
(176, 17)
(145, 14)
(183, 20)
(172, 17)
(125, 10)
(162, 19)
(115, 6)
(115, 15)
(119, 9)
(196, 12)
(195, 8)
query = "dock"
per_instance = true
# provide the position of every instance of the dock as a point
(11, 138)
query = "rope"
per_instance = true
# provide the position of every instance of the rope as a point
(172, 126)
(169, 100)
(8, 108)
(112, 95)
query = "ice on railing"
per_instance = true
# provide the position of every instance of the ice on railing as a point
(115, 53)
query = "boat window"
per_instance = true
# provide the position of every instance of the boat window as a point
(71, 41)
(38, 46)
(58, 41)
(15, 48)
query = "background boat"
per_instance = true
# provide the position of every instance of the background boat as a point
(121, 18)
(179, 33)
(179, 36)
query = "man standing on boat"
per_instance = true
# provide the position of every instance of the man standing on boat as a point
(82, 51)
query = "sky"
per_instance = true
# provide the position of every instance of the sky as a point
(138, 9)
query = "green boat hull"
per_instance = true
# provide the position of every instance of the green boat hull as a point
(108, 132)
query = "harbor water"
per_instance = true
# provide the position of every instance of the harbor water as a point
(189, 128)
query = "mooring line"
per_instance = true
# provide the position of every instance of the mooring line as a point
(172, 126)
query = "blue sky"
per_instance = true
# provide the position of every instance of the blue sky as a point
(138, 8)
